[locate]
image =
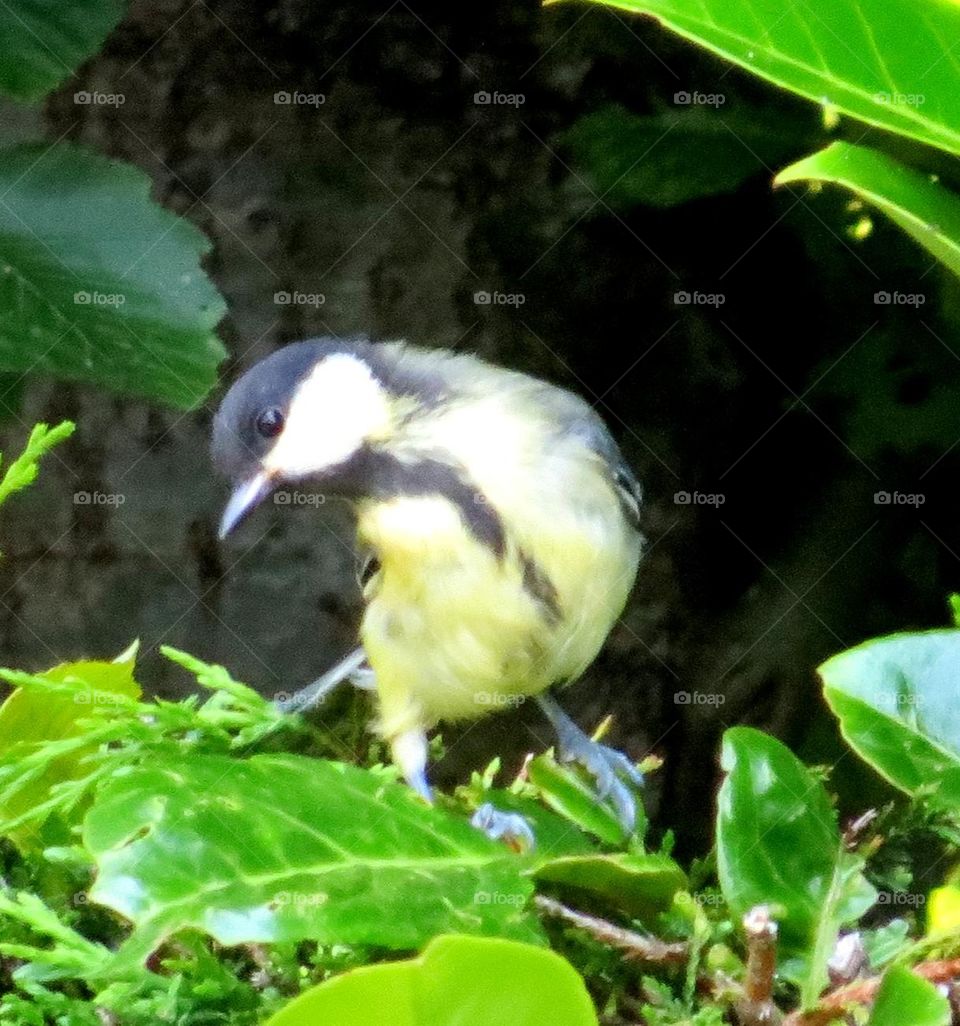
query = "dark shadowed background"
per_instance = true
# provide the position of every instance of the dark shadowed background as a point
(516, 183)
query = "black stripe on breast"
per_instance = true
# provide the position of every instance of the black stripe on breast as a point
(539, 586)
(379, 475)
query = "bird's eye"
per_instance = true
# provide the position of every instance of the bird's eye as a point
(270, 422)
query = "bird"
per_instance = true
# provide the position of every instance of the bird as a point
(499, 516)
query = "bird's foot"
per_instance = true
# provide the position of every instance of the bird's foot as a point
(409, 751)
(509, 827)
(606, 765)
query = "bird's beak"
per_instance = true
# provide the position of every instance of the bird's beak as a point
(246, 497)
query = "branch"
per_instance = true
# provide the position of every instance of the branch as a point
(755, 1006)
(862, 992)
(636, 945)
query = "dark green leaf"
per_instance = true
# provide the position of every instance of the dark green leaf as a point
(457, 981)
(43, 41)
(664, 159)
(98, 283)
(778, 844)
(640, 885)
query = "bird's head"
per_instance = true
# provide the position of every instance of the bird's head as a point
(307, 412)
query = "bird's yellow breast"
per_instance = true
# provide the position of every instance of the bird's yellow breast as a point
(453, 629)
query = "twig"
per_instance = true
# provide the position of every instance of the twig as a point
(755, 1007)
(637, 946)
(862, 992)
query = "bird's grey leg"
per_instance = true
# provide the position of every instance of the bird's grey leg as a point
(316, 693)
(605, 764)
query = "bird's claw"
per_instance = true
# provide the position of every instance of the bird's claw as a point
(509, 827)
(608, 766)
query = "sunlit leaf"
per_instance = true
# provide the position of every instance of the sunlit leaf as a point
(28, 717)
(853, 56)
(923, 208)
(283, 848)
(457, 981)
(906, 998)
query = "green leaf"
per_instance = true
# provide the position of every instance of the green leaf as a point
(284, 848)
(896, 701)
(640, 885)
(853, 55)
(924, 209)
(566, 793)
(693, 151)
(43, 41)
(29, 717)
(457, 981)
(778, 844)
(904, 998)
(23, 470)
(100, 284)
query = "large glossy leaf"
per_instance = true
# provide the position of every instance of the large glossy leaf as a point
(100, 284)
(28, 717)
(43, 41)
(778, 844)
(676, 155)
(887, 62)
(923, 208)
(282, 848)
(457, 981)
(896, 699)
(905, 998)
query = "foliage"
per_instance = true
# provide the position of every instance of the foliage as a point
(164, 837)
(97, 283)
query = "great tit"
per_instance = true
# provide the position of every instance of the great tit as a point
(501, 518)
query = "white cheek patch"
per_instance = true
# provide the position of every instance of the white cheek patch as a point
(332, 413)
